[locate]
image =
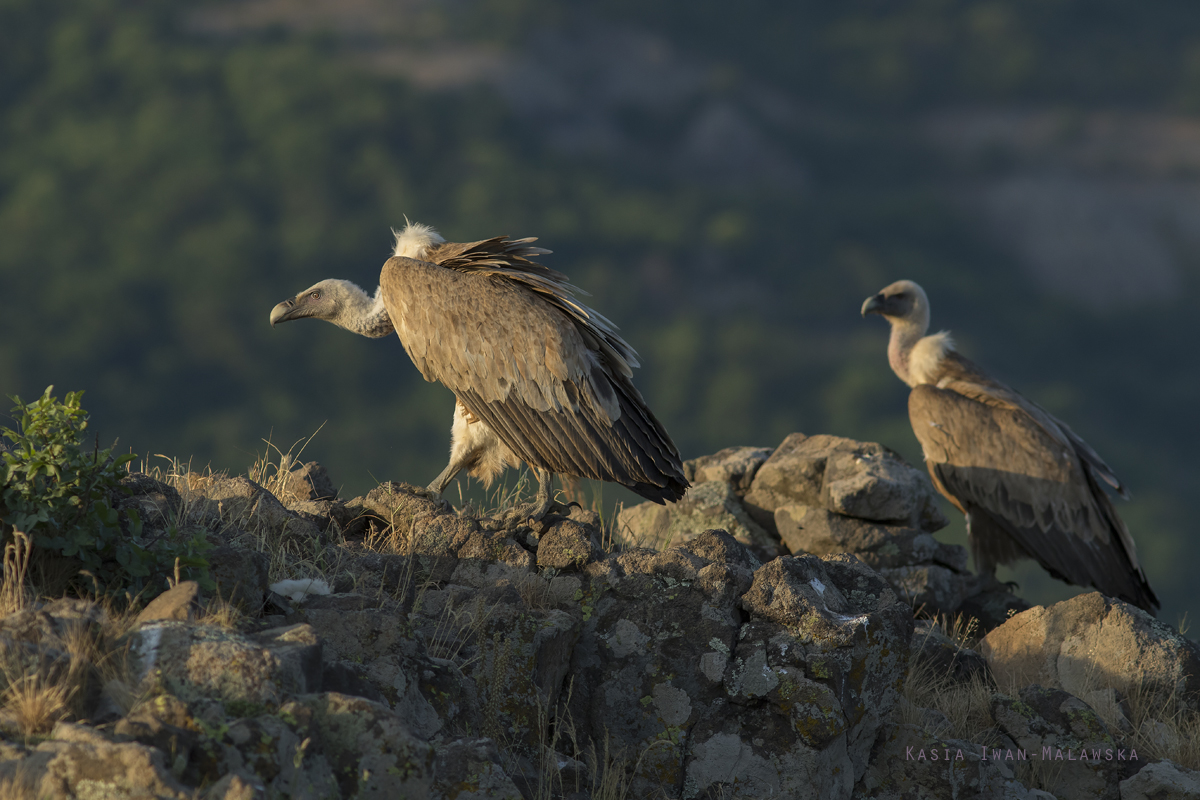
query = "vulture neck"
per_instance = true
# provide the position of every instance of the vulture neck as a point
(915, 357)
(363, 314)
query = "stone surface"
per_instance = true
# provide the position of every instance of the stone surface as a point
(309, 481)
(736, 466)
(857, 479)
(907, 763)
(241, 575)
(196, 662)
(1060, 730)
(568, 545)
(1091, 641)
(180, 602)
(1164, 780)
(712, 505)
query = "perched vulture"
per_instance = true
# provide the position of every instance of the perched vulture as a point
(1029, 487)
(539, 377)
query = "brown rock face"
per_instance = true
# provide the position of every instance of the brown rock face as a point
(1091, 641)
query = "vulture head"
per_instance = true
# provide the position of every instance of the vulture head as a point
(902, 302)
(336, 301)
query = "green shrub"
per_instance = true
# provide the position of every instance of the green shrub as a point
(60, 494)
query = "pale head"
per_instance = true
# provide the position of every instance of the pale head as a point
(341, 302)
(901, 302)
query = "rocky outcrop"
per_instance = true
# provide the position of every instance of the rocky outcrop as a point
(436, 656)
(823, 495)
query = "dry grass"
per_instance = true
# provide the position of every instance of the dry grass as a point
(15, 593)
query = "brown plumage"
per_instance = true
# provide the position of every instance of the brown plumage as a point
(1029, 487)
(539, 377)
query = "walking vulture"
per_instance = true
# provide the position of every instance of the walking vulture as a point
(1029, 487)
(538, 376)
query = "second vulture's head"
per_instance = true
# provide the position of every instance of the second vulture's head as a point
(902, 302)
(328, 300)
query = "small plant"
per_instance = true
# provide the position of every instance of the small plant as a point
(57, 492)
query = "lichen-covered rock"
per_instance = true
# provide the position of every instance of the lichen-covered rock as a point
(365, 748)
(1057, 728)
(670, 669)
(469, 769)
(437, 538)
(194, 661)
(1163, 780)
(1088, 640)
(79, 762)
(819, 531)
(242, 503)
(856, 479)
(712, 505)
(907, 763)
(568, 545)
(734, 465)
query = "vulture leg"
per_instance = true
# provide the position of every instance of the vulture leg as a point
(542, 504)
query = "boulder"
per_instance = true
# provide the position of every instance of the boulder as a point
(734, 465)
(907, 763)
(1163, 780)
(201, 662)
(855, 479)
(711, 505)
(1092, 641)
(1057, 729)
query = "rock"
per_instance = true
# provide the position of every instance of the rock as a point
(568, 545)
(180, 602)
(942, 657)
(1163, 780)
(711, 505)
(787, 700)
(308, 482)
(241, 575)
(243, 503)
(234, 787)
(469, 769)
(1090, 641)
(79, 763)
(734, 465)
(933, 589)
(992, 605)
(1057, 728)
(856, 479)
(909, 764)
(351, 747)
(819, 531)
(241, 672)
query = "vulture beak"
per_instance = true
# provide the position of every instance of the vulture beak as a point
(872, 305)
(283, 312)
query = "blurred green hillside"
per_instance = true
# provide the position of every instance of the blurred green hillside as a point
(728, 186)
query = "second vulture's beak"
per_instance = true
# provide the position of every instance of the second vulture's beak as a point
(872, 305)
(283, 311)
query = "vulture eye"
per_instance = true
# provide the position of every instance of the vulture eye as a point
(315, 295)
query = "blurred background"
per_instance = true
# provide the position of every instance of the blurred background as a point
(729, 183)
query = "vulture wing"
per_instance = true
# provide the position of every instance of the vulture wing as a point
(1029, 486)
(549, 376)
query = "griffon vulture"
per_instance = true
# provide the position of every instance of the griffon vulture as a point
(538, 376)
(1029, 487)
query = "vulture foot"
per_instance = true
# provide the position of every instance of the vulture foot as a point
(432, 494)
(529, 514)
